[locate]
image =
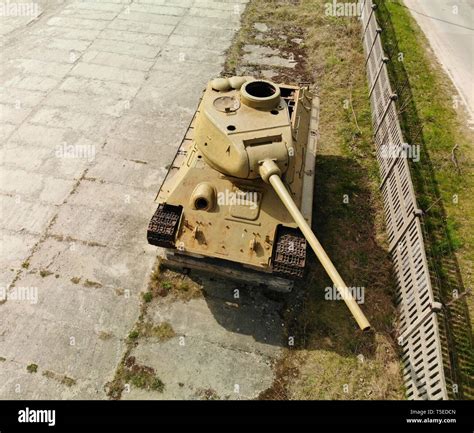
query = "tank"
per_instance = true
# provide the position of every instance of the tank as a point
(237, 199)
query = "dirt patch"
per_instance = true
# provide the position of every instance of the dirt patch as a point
(207, 394)
(61, 378)
(280, 30)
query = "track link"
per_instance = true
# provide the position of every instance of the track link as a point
(164, 225)
(289, 253)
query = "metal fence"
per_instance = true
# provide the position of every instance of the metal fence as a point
(419, 335)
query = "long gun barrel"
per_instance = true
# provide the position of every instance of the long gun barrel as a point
(271, 174)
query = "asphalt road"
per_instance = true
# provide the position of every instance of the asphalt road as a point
(449, 27)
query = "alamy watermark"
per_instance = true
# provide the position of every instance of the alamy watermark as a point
(25, 293)
(18, 9)
(46, 416)
(239, 198)
(356, 293)
(404, 151)
(343, 9)
(84, 151)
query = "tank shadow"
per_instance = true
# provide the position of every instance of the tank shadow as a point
(309, 317)
(348, 222)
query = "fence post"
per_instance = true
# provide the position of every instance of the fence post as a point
(378, 31)
(373, 7)
(382, 64)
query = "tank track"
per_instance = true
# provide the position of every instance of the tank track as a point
(164, 225)
(289, 253)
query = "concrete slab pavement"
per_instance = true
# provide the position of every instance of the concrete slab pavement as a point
(223, 347)
(95, 98)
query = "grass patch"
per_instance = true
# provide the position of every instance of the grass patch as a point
(163, 331)
(147, 296)
(144, 329)
(141, 376)
(444, 185)
(104, 335)
(137, 375)
(133, 335)
(45, 273)
(355, 379)
(129, 372)
(68, 381)
(208, 394)
(32, 368)
(92, 284)
(168, 283)
(348, 215)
